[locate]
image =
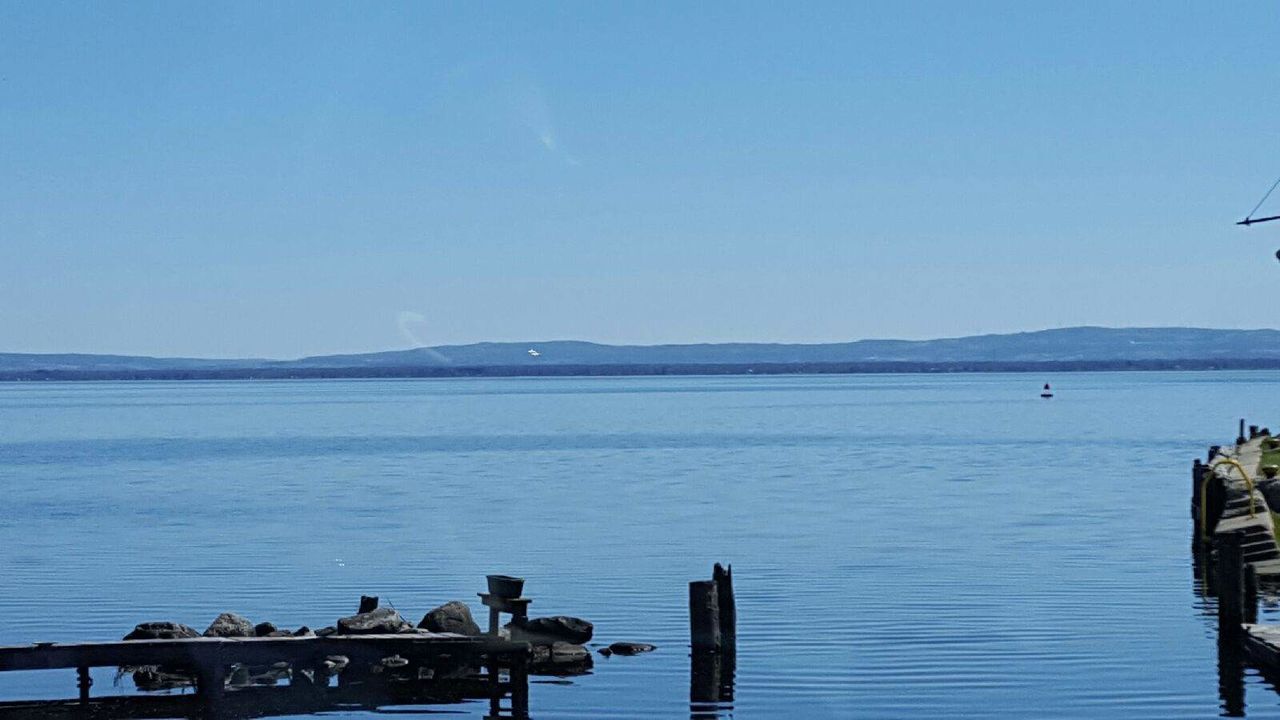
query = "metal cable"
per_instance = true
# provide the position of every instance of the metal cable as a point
(1264, 199)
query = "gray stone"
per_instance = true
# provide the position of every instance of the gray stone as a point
(376, 622)
(627, 648)
(229, 625)
(563, 653)
(558, 628)
(152, 678)
(161, 631)
(560, 658)
(451, 617)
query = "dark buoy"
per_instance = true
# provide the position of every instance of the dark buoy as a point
(1046, 393)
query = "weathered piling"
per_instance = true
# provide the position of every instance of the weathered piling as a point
(368, 603)
(723, 578)
(1250, 594)
(711, 681)
(704, 616)
(1197, 473)
(83, 683)
(1240, 438)
(713, 630)
(713, 612)
(1230, 576)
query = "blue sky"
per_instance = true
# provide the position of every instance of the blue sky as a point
(231, 179)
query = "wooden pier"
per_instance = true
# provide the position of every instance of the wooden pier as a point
(208, 659)
(1225, 499)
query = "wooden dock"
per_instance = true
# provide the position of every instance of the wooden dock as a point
(1226, 500)
(208, 659)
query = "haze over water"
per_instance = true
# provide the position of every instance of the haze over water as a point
(903, 546)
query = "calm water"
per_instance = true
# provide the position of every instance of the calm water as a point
(903, 546)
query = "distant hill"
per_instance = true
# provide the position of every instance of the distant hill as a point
(1062, 346)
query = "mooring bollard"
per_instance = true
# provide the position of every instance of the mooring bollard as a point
(1230, 583)
(704, 616)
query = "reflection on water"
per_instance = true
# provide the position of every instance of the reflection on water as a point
(1231, 665)
(254, 702)
(904, 546)
(711, 684)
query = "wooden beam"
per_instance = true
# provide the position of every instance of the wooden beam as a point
(1250, 221)
(197, 652)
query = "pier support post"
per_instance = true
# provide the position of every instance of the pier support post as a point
(704, 616)
(711, 681)
(1230, 583)
(211, 684)
(83, 682)
(1250, 594)
(713, 630)
(520, 686)
(1197, 474)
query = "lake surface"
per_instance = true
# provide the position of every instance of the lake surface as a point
(903, 545)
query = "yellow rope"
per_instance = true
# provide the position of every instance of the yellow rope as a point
(1204, 489)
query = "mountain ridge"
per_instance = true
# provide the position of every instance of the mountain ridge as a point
(1070, 344)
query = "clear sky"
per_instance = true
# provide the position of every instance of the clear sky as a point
(280, 179)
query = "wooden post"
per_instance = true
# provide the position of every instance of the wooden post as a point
(723, 577)
(704, 616)
(1213, 451)
(704, 683)
(1197, 473)
(368, 603)
(1253, 431)
(83, 682)
(1250, 594)
(493, 676)
(1240, 438)
(211, 681)
(520, 686)
(1230, 583)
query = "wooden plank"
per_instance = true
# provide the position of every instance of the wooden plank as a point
(1262, 643)
(1266, 567)
(1244, 522)
(195, 652)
